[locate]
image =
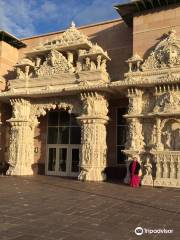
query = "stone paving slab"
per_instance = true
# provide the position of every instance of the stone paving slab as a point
(54, 208)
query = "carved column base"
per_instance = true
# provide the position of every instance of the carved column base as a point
(92, 174)
(20, 170)
(147, 180)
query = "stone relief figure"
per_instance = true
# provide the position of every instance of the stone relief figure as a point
(87, 65)
(55, 63)
(171, 135)
(19, 73)
(104, 65)
(167, 135)
(135, 139)
(52, 58)
(94, 104)
(149, 139)
(167, 102)
(38, 62)
(70, 57)
(93, 66)
(79, 67)
(148, 167)
(99, 59)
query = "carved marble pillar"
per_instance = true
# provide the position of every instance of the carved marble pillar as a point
(93, 139)
(173, 171)
(135, 139)
(159, 145)
(159, 169)
(21, 147)
(166, 169)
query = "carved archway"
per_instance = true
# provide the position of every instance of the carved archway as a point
(42, 106)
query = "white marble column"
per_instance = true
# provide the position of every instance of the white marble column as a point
(94, 147)
(21, 146)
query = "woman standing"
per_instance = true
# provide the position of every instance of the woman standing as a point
(135, 173)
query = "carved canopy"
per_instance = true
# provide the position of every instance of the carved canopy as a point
(71, 52)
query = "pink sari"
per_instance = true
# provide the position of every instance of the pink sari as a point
(135, 179)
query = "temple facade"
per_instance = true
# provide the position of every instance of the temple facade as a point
(82, 102)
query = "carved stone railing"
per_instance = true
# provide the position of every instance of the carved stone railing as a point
(163, 170)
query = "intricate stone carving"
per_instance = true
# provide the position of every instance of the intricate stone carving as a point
(134, 63)
(24, 68)
(93, 121)
(168, 102)
(54, 64)
(135, 139)
(20, 109)
(70, 54)
(170, 129)
(21, 155)
(135, 101)
(40, 108)
(148, 171)
(167, 168)
(71, 37)
(94, 104)
(23, 122)
(165, 55)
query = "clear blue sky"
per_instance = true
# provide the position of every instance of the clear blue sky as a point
(25, 18)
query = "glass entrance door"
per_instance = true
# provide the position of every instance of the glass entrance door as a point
(63, 144)
(63, 160)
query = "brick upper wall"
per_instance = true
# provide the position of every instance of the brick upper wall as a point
(149, 27)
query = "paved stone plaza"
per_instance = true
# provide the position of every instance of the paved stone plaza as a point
(53, 208)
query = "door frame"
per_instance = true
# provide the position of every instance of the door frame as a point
(69, 148)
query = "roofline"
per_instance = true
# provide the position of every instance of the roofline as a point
(81, 27)
(127, 10)
(15, 42)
